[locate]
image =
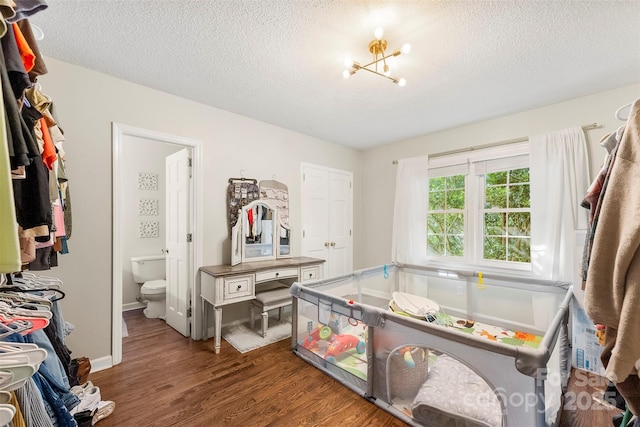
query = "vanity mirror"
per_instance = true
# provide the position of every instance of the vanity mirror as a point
(258, 235)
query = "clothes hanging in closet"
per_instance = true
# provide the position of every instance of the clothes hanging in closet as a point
(612, 289)
(240, 192)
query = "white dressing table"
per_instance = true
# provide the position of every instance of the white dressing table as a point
(225, 284)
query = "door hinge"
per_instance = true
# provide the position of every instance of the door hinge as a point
(304, 177)
(189, 237)
(349, 232)
(189, 162)
(349, 184)
(303, 233)
(189, 312)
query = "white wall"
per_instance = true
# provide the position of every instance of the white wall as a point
(140, 155)
(87, 103)
(378, 178)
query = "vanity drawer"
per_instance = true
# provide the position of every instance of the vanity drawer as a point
(276, 273)
(309, 273)
(238, 287)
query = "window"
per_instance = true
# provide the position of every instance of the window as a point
(445, 218)
(479, 209)
(507, 216)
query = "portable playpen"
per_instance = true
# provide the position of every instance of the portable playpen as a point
(440, 347)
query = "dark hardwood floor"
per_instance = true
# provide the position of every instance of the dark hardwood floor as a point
(166, 379)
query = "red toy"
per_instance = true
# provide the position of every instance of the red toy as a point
(318, 334)
(340, 344)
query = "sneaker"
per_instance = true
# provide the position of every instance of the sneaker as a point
(79, 389)
(89, 400)
(103, 410)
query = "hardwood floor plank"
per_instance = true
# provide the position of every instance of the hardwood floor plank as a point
(166, 379)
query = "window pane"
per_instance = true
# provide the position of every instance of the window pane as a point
(435, 244)
(495, 197)
(519, 175)
(495, 248)
(519, 196)
(435, 223)
(455, 199)
(455, 246)
(455, 223)
(454, 182)
(495, 178)
(436, 183)
(519, 250)
(519, 224)
(494, 224)
(436, 200)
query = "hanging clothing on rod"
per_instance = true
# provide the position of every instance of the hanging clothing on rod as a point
(612, 289)
(240, 192)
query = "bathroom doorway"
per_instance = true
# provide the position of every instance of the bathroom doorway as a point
(138, 216)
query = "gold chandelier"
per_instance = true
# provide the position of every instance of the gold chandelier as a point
(378, 48)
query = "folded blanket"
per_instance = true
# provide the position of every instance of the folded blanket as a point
(454, 395)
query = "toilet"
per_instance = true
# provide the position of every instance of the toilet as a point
(149, 271)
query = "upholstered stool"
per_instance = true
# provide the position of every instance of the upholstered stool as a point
(269, 300)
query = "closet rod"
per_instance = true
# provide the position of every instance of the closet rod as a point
(495, 144)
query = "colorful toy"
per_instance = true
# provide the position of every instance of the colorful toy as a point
(408, 358)
(321, 333)
(600, 333)
(342, 343)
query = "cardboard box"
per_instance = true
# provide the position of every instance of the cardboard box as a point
(585, 348)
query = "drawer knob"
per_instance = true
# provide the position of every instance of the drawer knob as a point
(310, 274)
(239, 287)
(277, 274)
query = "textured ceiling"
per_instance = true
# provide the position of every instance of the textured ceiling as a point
(281, 62)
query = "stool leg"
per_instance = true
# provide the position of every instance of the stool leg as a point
(265, 320)
(252, 312)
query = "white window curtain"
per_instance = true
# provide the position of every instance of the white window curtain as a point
(409, 241)
(559, 173)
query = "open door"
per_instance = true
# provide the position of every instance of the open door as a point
(178, 238)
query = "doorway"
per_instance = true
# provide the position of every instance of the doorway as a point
(124, 134)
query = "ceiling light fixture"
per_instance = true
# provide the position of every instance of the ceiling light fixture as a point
(377, 47)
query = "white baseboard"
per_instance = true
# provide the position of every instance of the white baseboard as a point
(101, 363)
(133, 306)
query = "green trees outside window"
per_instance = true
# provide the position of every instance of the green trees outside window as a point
(505, 216)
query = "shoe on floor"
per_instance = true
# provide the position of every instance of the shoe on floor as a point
(103, 410)
(79, 389)
(89, 400)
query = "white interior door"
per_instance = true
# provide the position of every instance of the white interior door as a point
(340, 224)
(178, 228)
(327, 220)
(315, 216)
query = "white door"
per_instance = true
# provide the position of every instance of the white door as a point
(340, 259)
(178, 228)
(315, 215)
(327, 218)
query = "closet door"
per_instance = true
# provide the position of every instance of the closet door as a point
(327, 220)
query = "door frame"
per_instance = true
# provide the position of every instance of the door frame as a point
(119, 132)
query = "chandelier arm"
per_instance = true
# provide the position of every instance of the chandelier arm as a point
(395, 53)
(393, 79)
